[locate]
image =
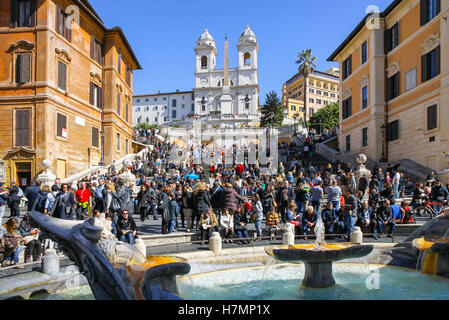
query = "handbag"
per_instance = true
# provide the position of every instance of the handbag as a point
(28, 239)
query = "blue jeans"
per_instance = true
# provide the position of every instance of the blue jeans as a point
(129, 237)
(15, 256)
(380, 225)
(259, 227)
(381, 185)
(349, 224)
(396, 191)
(300, 206)
(242, 234)
(172, 226)
(316, 204)
(336, 205)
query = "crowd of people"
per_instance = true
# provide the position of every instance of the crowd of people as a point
(225, 198)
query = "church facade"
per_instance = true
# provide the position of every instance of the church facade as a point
(227, 97)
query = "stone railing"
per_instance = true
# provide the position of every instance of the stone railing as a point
(118, 164)
(326, 152)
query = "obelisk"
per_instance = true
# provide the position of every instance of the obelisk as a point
(226, 99)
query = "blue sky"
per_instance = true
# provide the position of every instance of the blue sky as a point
(163, 35)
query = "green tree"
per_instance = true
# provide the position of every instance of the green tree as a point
(306, 66)
(326, 118)
(272, 111)
(143, 126)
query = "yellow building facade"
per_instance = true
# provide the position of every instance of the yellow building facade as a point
(61, 72)
(394, 84)
(322, 89)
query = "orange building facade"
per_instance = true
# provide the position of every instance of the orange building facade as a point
(61, 72)
(394, 84)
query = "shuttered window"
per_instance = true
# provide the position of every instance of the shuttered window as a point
(391, 38)
(23, 70)
(61, 126)
(127, 112)
(23, 13)
(96, 96)
(128, 75)
(429, 10)
(364, 97)
(347, 108)
(62, 75)
(364, 137)
(364, 52)
(393, 131)
(126, 146)
(348, 143)
(23, 128)
(394, 86)
(119, 63)
(118, 141)
(95, 139)
(432, 117)
(347, 67)
(430, 64)
(62, 23)
(96, 50)
(118, 103)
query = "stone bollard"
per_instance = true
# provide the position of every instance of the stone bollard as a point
(50, 263)
(215, 243)
(139, 244)
(356, 236)
(288, 238)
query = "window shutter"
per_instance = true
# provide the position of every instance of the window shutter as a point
(19, 135)
(33, 14)
(387, 40)
(26, 128)
(127, 111)
(438, 6)
(14, 13)
(100, 98)
(397, 84)
(432, 122)
(62, 75)
(350, 65)
(18, 68)
(91, 93)
(25, 69)
(92, 46)
(118, 103)
(438, 59)
(424, 68)
(424, 9)
(58, 19)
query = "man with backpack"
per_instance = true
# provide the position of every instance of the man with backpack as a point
(15, 194)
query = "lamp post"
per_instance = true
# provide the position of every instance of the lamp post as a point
(295, 117)
(383, 129)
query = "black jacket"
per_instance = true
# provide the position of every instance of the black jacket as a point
(215, 197)
(31, 194)
(129, 225)
(202, 202)
(187, 200)
(384, 214)
(63, 206)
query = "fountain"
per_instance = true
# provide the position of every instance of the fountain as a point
(318, 257)
(115, 270)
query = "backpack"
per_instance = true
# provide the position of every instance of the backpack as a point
(10, 242)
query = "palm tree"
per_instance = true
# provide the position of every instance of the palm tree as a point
(306, 67)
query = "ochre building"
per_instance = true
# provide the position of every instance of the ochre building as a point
(61, 71)
(394, 84)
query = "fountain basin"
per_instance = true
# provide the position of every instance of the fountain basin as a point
(318, 260)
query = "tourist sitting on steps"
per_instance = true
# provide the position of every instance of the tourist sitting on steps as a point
(385, 218)
(309, 220)
(31, 240)
(11, 243)
(126, 228)
(272, 223)
(332, 223)
(227, 226)
(240, 222)
(367, 219)
(208, 225)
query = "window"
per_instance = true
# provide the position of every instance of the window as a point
(311, 100)
(326, 94)
(173, 103)
(182, 97)
(410, 79)
(348, 143)
(293, 108)
(23, 118)
(23, 70)
(62, 75)
(319, 92)
(128, 75)
(204, 62)
(193, 96)
(432, 117)
(347, 108)
(430, 64)
(247, 59)
(429, 10)
(393, 131)
(165, 99)
(391, 38)
(173, 114)
(62, 24)
(155, 119)
(347, 67)
(332, 95)
(138, 100)
(95, 140)
(23, 13)
(118, 142)
(301, 109)
(96, 50)
(394, 86)
(165, 119)
(247, 106)
(364, 137)
(155, 108)
(126, 146)
(318, 101)
(118, 103)
(364, 97)
(119, 63)
(126, 112)
(311, 112)
(61, 130)
(364, 52)
(96, 96)
(193, 107)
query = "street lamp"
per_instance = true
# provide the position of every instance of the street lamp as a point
(295, 117)
(383, 130)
